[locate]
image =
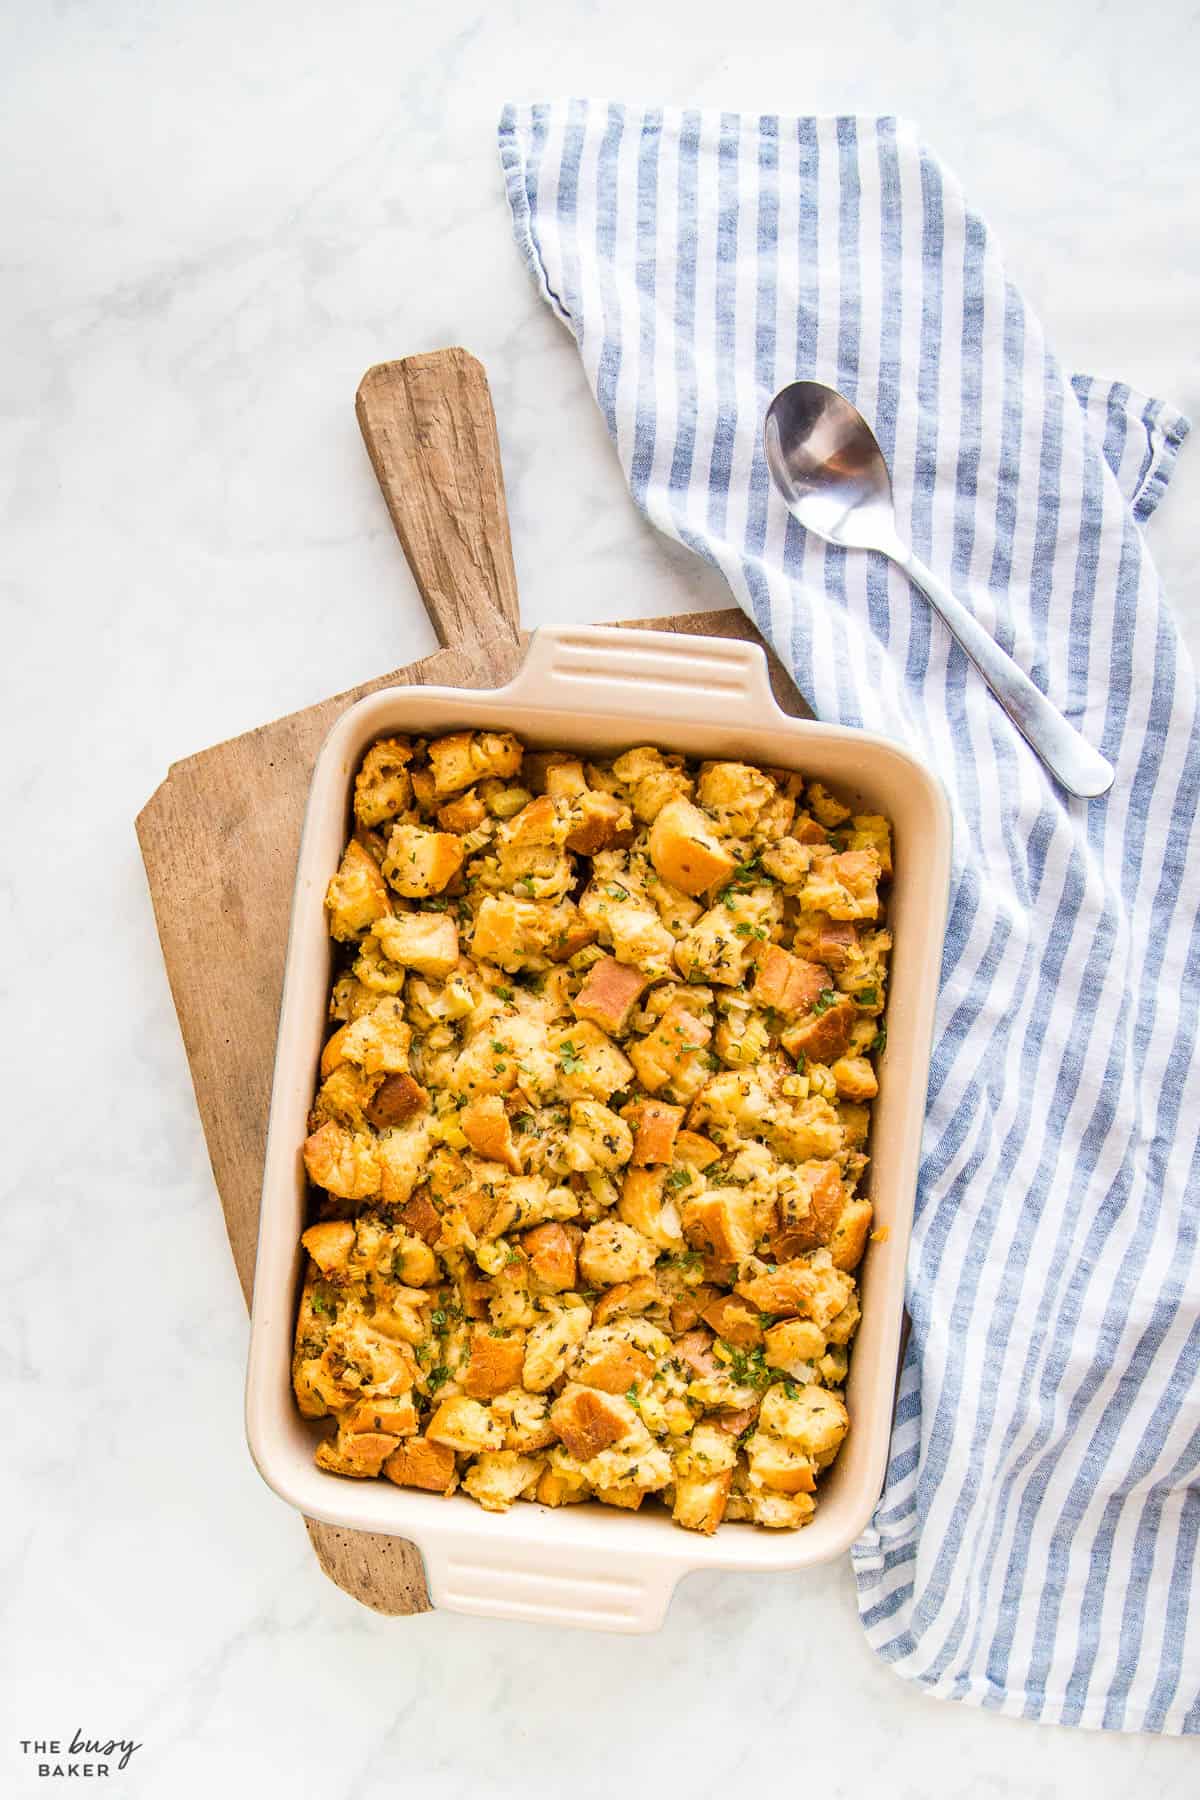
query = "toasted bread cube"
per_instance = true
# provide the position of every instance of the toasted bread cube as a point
(382, 787)
(787, 983)
(420, 862)
(737, 792)
(810, 1199)
(397, 1098)
(358, 1453)
(550, 1249)
(485, 1125)
(598, 1138)
(464, 814)
(700, 1503)
(814, 1420)
(422, 1218)
(621, 1493)
(424, 941)
(672, 1056)
(632, 1297)
(790, 1288)
(376, 1042)
(345, 1163)
(871, 831)
(721, 1220)
(611, 1363)
(780, 1512)
(842, 885)
(597, 822)
(735, 1320)
(609, 994)
(856, 1079)
(550, 1345)
(700, 1152)
(848, 1240)
(825, 808)
(612, 1251)
(357, 896)
(793, 1345)
(684, 850)
(822, 1037)
(465, 757)
(562, 1482)
(646, 1206)
(396, 1415)
(461, 1423)
(330, 1245)
(419, 1463)
(498, 1477)
(589, 1420)
(496, 1363)
(590, 1066)
(779, 1465)
(555, 773)
(656, 1126)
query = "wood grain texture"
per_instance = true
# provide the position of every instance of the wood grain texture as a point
(430, 431)
(219, 838)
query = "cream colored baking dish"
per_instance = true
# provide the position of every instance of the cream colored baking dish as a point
(601, 690)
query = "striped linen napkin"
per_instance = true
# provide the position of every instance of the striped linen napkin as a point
(1036, 1539)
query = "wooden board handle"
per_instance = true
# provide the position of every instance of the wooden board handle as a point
(430, 431)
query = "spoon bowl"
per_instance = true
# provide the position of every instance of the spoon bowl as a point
(826, 462)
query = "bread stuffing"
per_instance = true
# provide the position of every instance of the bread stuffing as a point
(588, 1144)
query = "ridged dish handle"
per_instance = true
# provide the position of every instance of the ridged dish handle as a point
(550, 1585)
(645, 672)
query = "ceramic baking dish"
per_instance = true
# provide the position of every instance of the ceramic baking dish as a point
(600, 690)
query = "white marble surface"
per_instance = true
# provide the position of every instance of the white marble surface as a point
(215, 217)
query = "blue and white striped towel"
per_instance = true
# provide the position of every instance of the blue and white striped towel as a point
(1036, 1543)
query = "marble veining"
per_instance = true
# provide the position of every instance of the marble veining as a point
(215, 218)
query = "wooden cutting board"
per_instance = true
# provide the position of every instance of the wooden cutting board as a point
(219, 837)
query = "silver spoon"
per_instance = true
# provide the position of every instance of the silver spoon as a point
(827, 464)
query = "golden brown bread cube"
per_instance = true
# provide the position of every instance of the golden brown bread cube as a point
(397, 1098)
(461, 1423)
(465, 757)
(420, 862)
(822, 1036)
(786, 983)
(721, 1220)
(848, 1240)
(357, 896)
(382, 787)
(551, 1251)
(496, 1362)
(330, 1244)
(486, 1127)
(424, 941)
(700, 1502)
(345, 1163)
(673, 1055)
(685, 851)
(396, 1415)
(611, 1363)
(656, 1125)
(735, 1320)
(358, 1453)
(417, 1462)
(609, 993)
(588, 1420)
(855, 1078)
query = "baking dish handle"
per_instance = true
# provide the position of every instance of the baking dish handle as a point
(549, 1585)
(664, 674)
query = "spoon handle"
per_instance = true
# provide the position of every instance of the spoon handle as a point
(1068, 756)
